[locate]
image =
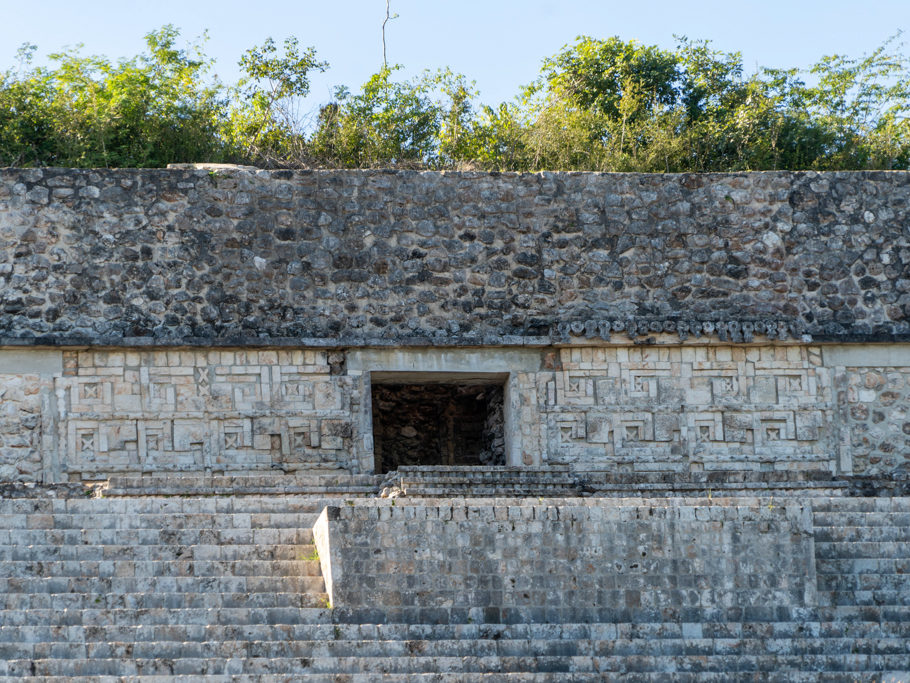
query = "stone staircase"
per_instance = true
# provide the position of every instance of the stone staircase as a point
(862, 548)
(442, 481)
(497, 482)
(229, 588)
(190, 483)
(88, 585)
(562, 480)
(787, 650)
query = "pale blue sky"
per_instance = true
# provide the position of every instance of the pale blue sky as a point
(497, 43)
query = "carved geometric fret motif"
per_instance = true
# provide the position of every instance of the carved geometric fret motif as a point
(683, 408)
(204, 411)
(690, 408)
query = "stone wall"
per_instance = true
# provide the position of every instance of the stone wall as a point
(234, 321)
(493, 563)
(872, 386)
(689, 408)
(342, 258)
(27, 413)
(217, 411)
(20, 426)
(77, 415)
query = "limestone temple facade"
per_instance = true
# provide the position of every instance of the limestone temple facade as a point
(451, 426)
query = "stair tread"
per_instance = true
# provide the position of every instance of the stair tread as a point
(409, 663)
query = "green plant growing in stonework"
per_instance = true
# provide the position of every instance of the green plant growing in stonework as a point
(313, 556)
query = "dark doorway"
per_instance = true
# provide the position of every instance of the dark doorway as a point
(434, 423)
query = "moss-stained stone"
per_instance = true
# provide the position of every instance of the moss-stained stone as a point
(393, 258)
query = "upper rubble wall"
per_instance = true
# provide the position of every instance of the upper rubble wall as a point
(175, 257)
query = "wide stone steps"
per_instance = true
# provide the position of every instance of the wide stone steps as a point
(862, 551)
(717, 483)
(861, 520)
(169, 600)
(99, 615)
(444, 481)
(176, 540)
(562, 480)
(863, 534)
(863, 565)
(183, 585)
(578, 638)
(188, 483)
(850, 519)
(746, 618)
(221, 532)
(244, 661)
(881, 504)
(103, 520)
(865, 582)
(477, 491)
(175, 521)
(868, 597)
(436, 677)
(448, 488)
(182, 506)
(146, 541)
(130, 561)
(227, 648)
(484, 677)
(181, 568)
(226, 587)
(167, 554)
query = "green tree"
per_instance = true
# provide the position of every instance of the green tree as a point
(598, 104)
(862, 105)
(147, 111)
(614, 105)
(388, 123)
(265, 124)
(498, 140)
(594, 74)
(27, 131)
(457, 118)
(425, 122)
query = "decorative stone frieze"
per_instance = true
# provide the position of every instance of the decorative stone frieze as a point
(621, 409)
(689, 408)
(190, 410)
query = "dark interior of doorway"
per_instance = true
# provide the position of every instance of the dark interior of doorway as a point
(437, 424)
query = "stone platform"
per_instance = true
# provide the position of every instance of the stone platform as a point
(499, 482)
(220, 587)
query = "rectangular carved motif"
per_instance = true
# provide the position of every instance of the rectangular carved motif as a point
(204, 411)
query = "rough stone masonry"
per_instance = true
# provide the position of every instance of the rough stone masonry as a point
(237, 321)
(393, 258)
(694, 390)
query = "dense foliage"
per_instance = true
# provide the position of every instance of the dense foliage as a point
(605, 105)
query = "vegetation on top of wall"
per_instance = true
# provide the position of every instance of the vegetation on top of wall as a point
(598, 104)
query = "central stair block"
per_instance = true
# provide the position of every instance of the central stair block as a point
(581, 560)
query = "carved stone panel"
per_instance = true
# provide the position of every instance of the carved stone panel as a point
(717, 407)
(204, 411)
